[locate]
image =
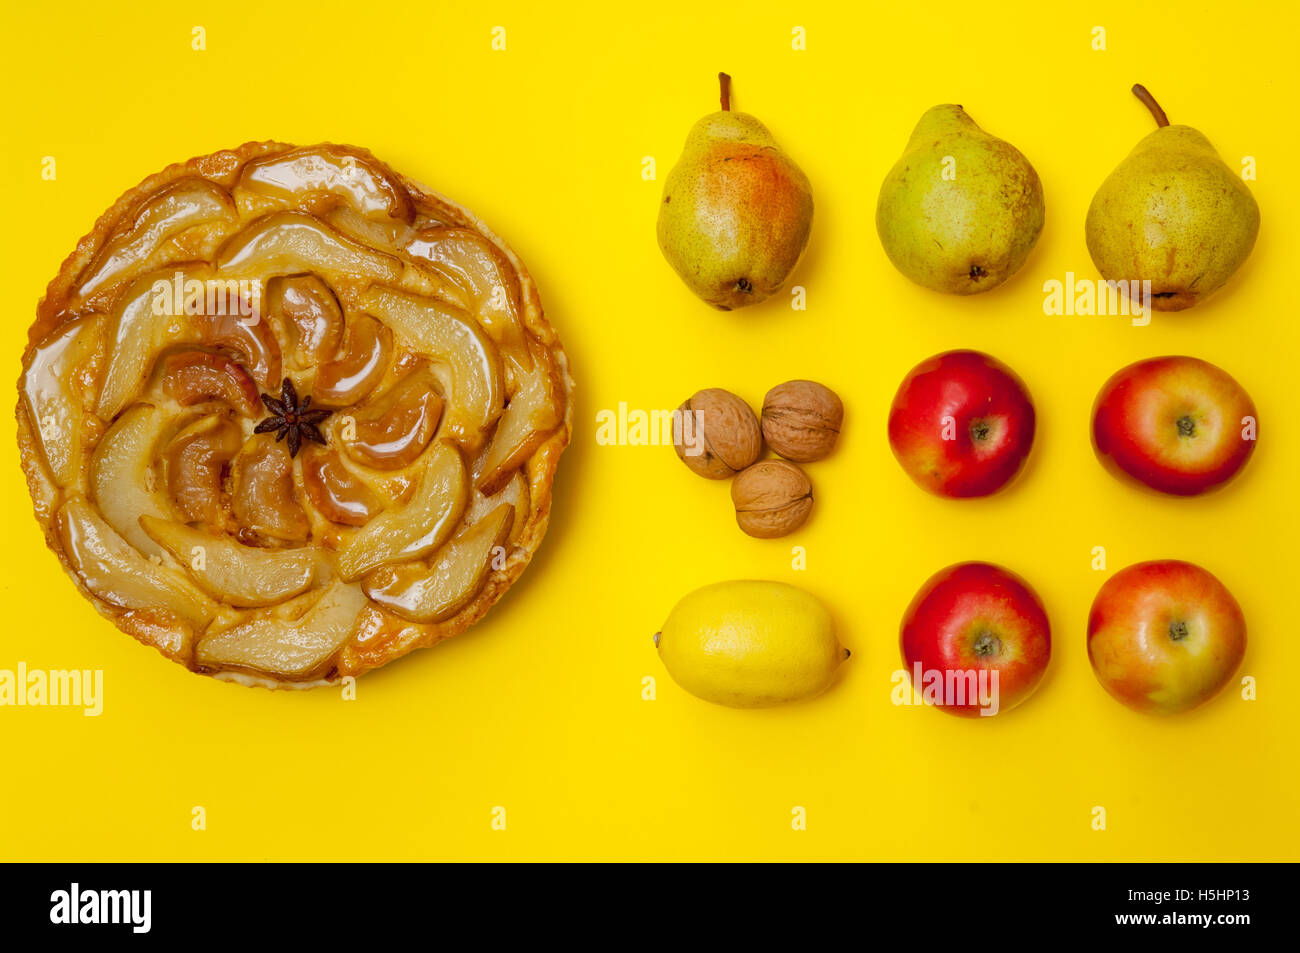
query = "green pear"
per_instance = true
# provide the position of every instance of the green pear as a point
(960, 210)
(1172, 213)
(736, 210)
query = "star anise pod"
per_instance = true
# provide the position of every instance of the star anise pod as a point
(291, 419)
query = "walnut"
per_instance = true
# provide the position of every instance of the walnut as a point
(801, 420)
(772, 498)
(718, 435)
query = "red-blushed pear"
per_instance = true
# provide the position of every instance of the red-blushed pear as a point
(1165, 636)
(978, 637)
(736, 210)
(961, 424)
(1179, 425)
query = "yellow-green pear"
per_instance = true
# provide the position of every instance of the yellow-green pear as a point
(961, 209)
(736, 210)
(1172, 213)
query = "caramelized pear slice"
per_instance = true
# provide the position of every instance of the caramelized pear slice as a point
(434, 330)
(418, 526)
(183, 204)
(359, 368)
(392, 431)
(292, 176)
(138, 330)
(334, 491)
(515, 493)
(54, 388)
(236, 574)
(312, 318)
(249, 337)
(292, 649)
(286, 243)
(479, 268)
(386, 234)
(117, 573)
(195, 461)
(532, 415)
(432, 593)
(263, 498)
(122, 475)
(192, 377)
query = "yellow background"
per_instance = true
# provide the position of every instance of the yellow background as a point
(539, 709)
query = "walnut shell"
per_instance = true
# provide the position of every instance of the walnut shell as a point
(728, 437)
(772, 498)
(801, 420)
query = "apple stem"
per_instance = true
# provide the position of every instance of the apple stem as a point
(724, 81)
(1149, 101)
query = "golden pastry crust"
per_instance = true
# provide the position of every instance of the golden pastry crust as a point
(420, 255)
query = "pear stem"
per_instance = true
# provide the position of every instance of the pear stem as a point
(1150, 103)
(724, 81)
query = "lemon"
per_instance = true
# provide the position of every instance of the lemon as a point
(750, 643)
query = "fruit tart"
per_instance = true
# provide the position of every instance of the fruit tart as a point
(286, 415)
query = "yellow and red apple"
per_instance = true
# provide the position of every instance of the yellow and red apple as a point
(1179, 425)
(1165, 636)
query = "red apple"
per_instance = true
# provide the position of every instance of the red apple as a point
(1165, 636)
(961, 424)
(976, 626)
(1177, 424)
